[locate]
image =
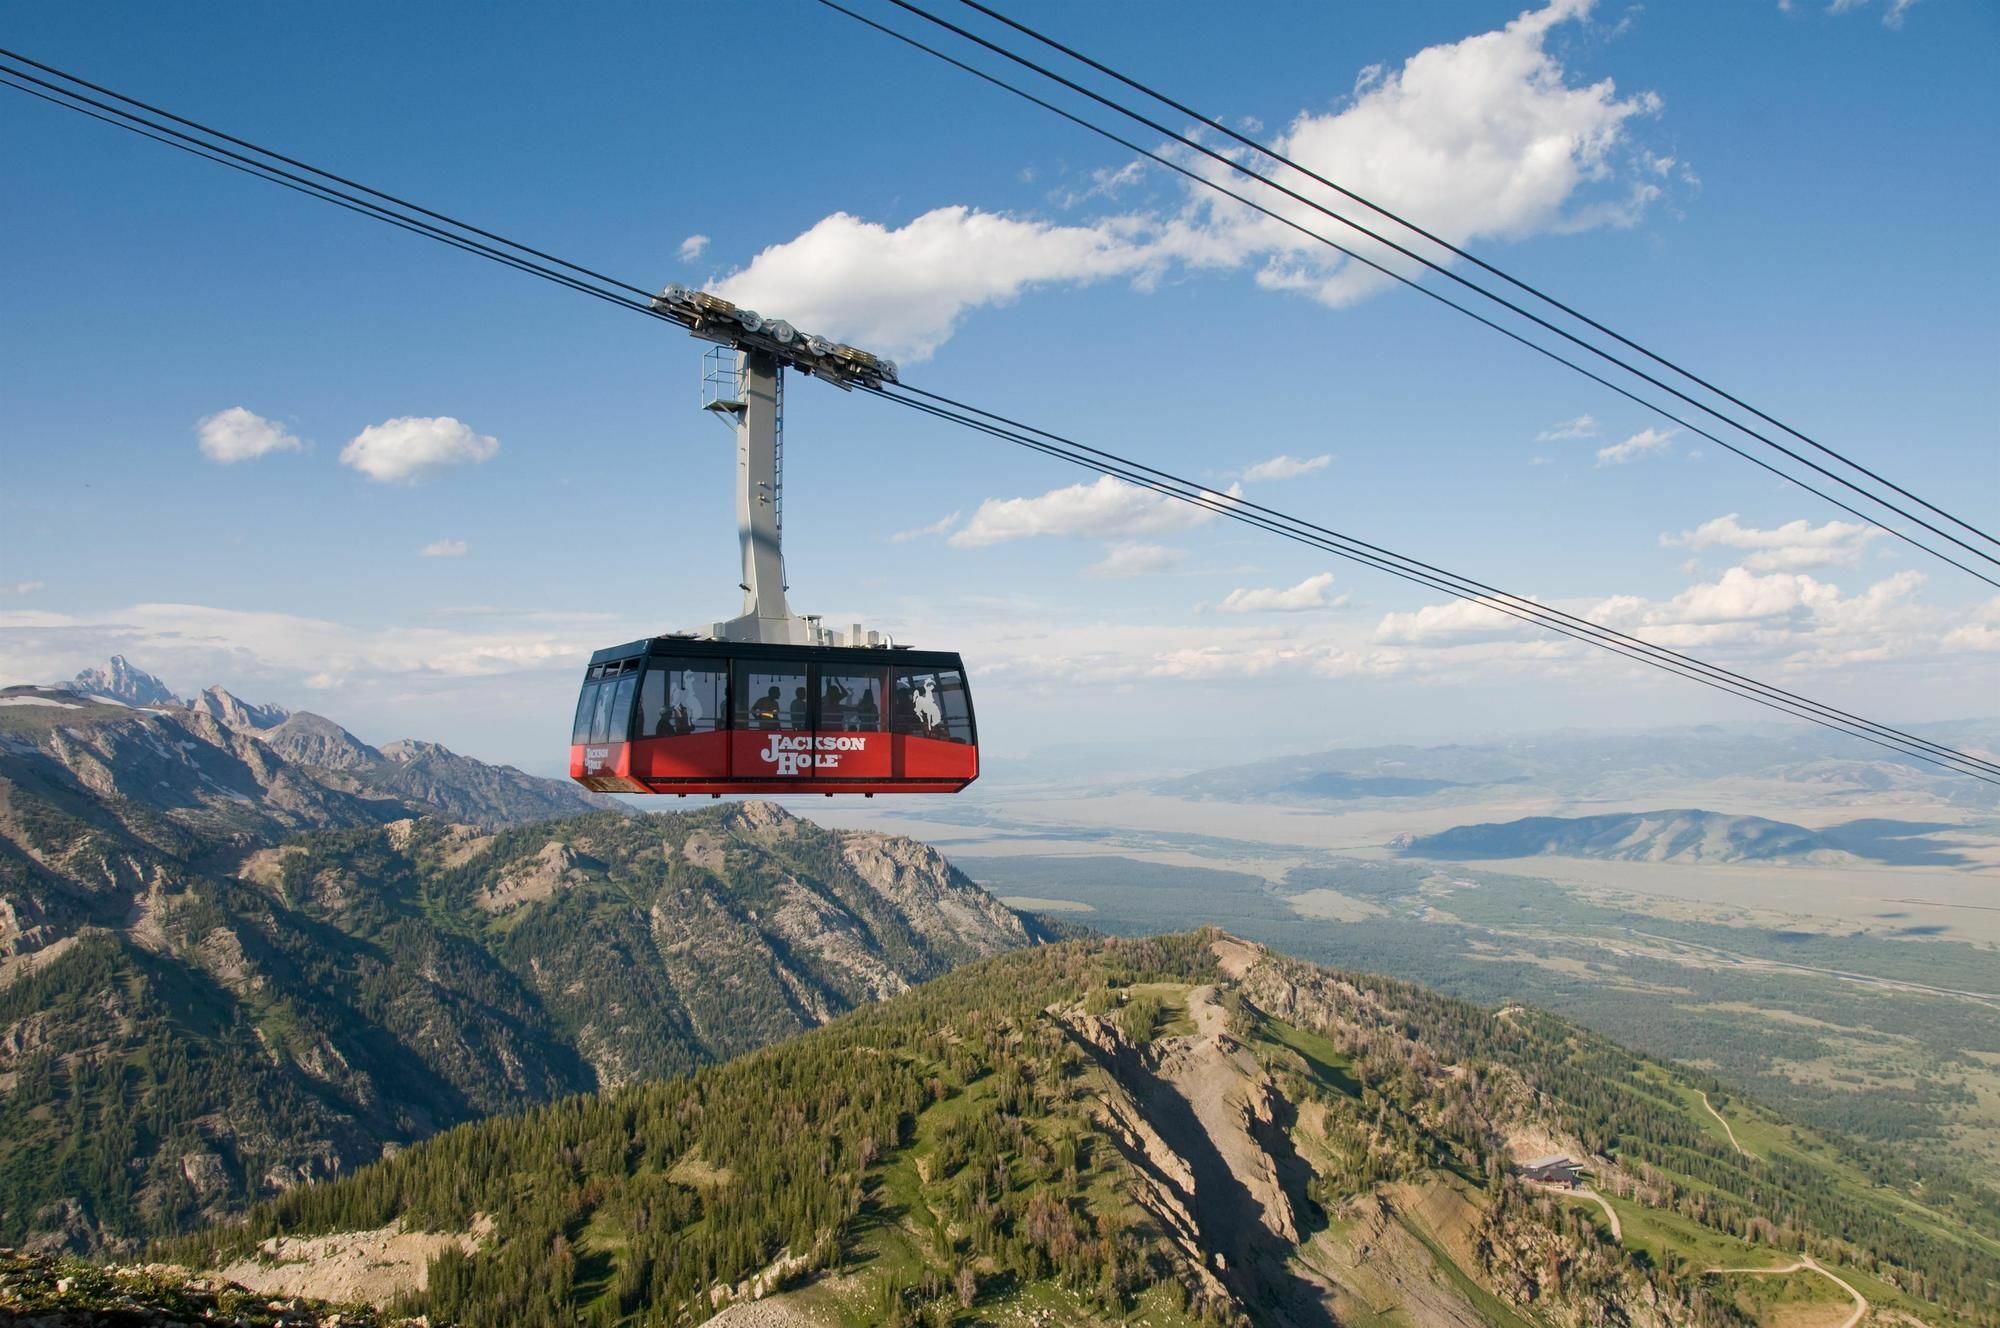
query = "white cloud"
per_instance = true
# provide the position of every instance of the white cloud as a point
(1481, 138)
(1304, 597)
(693, 247)
(903, 291)
(236, 434)
(1982, 633)
(1460, 620)
(403, 448)
(1795, 546)
(1131, 558)
(203, 641)
(1485, 138)
(1105, 182)
(1583, 426)
(445, 548)
(1108, 508)
(937, 527)
(1286, 467)
(1639, 444)
(1892, 16)
(19, 587)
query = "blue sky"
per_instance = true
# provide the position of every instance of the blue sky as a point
(1795, 198)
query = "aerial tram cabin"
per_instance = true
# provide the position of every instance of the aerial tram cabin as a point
(682, 715)
(768, 701)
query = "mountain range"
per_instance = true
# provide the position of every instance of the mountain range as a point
(1688, 835)
(1593, 765)
(234, 959)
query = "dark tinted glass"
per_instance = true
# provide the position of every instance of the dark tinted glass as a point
(772, 696)
(580, 731)
(850, 699)
(931, 703)
(682, 696)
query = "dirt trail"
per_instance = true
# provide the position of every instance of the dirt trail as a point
(1585, 1192)
(1808, 1263)
(1725, 1128)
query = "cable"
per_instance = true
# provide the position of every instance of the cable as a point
(1238, 167)
(315, 189)
(1416, 286)
(1423, 573)
(1443, 243)
(1108, 463)
(223, 157)
(337, 179)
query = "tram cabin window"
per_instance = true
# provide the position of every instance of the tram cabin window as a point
(931, 703)
(772, 697)
(682, 696)
(586, 706)
(850, 699)
(611, 719)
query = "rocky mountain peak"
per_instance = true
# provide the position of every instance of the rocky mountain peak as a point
(404, 750)
(120, 681)
(309, 739)
(232, 712)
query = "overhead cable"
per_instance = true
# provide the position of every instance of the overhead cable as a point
(1414, 285)
(1218, 126)
(1234, 165)
(1415, 570)
(427, 223)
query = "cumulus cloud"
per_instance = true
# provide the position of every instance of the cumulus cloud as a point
(1583, 426)
(937, 527)
(902, 291)
(693, 247)
(403, 448)
(1796, 546)
(1131, 558)
(1982, 633)
(1304, 597)
(1287, 467)
(236, 434)
(1107, 509)
(445, 548)
(1458, 621)
(1486, 138)
(1640, 444)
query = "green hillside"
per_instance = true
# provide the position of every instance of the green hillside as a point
(204, 1021)
(1168, 1131)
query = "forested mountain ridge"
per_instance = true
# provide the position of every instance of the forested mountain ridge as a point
(223, 973)
(1176, 1131)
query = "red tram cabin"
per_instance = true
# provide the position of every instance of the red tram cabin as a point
(675, 715)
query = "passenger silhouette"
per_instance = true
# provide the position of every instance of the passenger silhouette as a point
(833, 706)
(801, 708)
(867, 714)
(764, 710)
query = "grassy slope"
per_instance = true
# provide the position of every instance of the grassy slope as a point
(969, 1053)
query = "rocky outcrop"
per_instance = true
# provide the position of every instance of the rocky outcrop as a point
(234, 713)
(119, 681)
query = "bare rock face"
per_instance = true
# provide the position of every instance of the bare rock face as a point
(938, 901)
(308, 739)
(233, 713)
(555, 867)
(119, 681)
